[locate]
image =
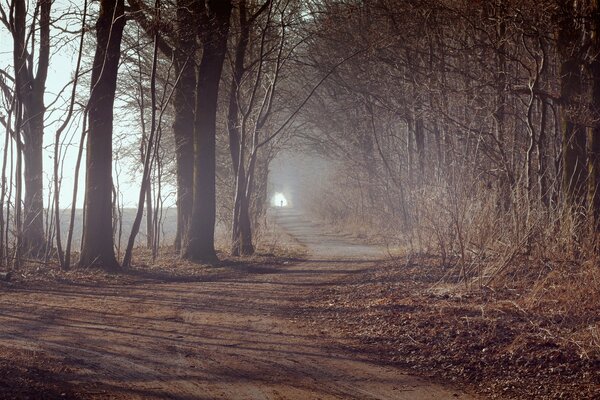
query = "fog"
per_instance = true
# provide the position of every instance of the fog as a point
(299, 177)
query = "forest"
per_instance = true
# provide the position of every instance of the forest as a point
(300, 199)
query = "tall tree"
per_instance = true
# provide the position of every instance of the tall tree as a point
(255, 90)
(184, 101)
(31, 87)
(593, 147)
(98, 243)
(241, 233)
(180, 45)
(214, 27)
(147, 154)
(574, 133)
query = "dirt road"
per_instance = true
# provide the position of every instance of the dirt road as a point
(233, 336)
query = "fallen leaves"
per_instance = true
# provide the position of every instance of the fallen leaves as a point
(489, 340)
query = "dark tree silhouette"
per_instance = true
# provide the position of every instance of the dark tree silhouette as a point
(214, 27)
(98, 245)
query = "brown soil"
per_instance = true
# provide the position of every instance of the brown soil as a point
(238, 331)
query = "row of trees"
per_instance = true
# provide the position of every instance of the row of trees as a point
(471, 122)
(205, 66)
(474, 124)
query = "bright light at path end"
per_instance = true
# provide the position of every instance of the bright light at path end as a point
(279, 200)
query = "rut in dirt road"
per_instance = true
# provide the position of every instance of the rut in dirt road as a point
(236, 336)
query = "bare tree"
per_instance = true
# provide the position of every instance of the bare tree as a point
(30, 79)
(179, 44)
(98, 243)
(214, 17)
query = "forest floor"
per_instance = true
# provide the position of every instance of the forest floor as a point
(241, 330)
(344, 322)
(481, 340)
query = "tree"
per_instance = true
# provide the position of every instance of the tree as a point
(214, 19)
(593, 148)
(179, 44)
(98, 243)
(265, 44)
(184, 105)
(241, 232)
(30, 91)
(147, 155)
(573, 131)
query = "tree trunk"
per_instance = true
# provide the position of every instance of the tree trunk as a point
(98, 242)
(185, 173)
(236, 142)
(593, 170)
(149, 222)
(410, 150)
(183, 127)
(199, 245)
(574, 161)
(18, 191)
(573, 134)
(257, 207)
(3, 221)
(243, 245)
(33, 216)
(420, 145)
(64, 257)
(240, 219)
(542, 156)
(148, 157)
(593, 139)
(245, 238)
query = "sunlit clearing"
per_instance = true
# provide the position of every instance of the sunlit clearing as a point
(279, 200)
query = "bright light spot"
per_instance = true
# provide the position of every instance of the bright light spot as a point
(279, 200)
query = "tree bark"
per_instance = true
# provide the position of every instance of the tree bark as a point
(149, 213)
(33, 202)
(98, 242)
(199, 245)
(542, 162)
(574, 161)
(184, 102)
(593, 139)
(3, 205)
(593, 171)
(420, 145)
(243, 241)
(573, 133)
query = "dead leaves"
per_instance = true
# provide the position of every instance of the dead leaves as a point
(487, 340)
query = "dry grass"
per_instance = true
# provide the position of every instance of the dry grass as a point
(503, 298)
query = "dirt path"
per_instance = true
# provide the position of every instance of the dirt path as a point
(232, 337)
(322, 245)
